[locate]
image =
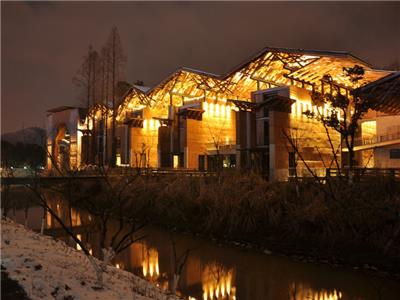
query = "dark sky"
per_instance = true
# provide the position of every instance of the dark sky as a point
(43, 43)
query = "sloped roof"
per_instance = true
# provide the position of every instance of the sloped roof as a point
(61, 108)
(385, 92)
(271, 66)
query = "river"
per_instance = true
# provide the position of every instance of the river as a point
(215, 271)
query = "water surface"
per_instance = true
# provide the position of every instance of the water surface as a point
(221, 272)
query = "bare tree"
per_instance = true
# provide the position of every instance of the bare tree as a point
(87, 78)
(87, 81)
(216, 134)
(142, 157)
(293, 137)
(117, 61)
(113, 202)
(179, 263)
(344, 111)
(105, 96)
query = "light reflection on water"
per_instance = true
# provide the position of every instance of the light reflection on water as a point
(150, 268)
(217, 282)
(304, 292)
(221, 273)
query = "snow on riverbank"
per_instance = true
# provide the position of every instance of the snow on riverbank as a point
(49, 269)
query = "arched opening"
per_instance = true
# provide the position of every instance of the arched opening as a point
(62, 147)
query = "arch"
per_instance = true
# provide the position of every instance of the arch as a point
(61, 147)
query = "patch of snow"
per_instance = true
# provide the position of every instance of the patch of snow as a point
(141, 88)
(49, 269)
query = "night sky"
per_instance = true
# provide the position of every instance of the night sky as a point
(43, 43)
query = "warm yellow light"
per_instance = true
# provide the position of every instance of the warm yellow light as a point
(214, 288)
(228, 287)
(223, 110)
(299, 108)
(151, 269)
(205, 106)
(144, 124)
(117, 266)
(79, 237)
(211, 108)
(217, 110)
(325, 110)
(48, 218)
(144, 265)
(228, 111)
(205, 296)
(151, 124)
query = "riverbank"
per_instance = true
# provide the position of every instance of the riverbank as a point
(349, 226)
(47, 268)
(354, 226)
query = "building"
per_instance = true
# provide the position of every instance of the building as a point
(249, 118)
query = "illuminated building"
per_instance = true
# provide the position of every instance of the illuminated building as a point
(202, 121)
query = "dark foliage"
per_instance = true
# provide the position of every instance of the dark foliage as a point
(20, 155)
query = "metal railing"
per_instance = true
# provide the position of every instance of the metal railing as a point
(376, 139)
(365, 172)
(358, 173)
(221, 147)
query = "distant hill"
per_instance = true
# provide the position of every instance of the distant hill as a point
(32, 135)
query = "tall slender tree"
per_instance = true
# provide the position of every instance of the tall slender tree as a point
(105, 96)
(117, 62)
(345, 111)
(86, 80)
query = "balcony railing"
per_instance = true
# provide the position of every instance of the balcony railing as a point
(377, 139)
(222, 147)
(358, 173)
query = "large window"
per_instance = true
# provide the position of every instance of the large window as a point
(394, 153)
(266, 132)
(176, 161)
(266, 111)
(202, 164)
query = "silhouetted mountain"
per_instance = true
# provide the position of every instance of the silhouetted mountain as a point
(32, 135)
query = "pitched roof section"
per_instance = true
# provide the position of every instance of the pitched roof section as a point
(385, 91)
(320, 53)
(267, 68)
(61, 108)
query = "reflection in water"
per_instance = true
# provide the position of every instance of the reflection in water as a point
(150, 266)
(75, 217)
(48, 220)
(216, 273)
(303, 292)
(217, 282)
(79, 237)
(63, 213)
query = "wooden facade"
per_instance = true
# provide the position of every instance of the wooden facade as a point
(243, 119)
